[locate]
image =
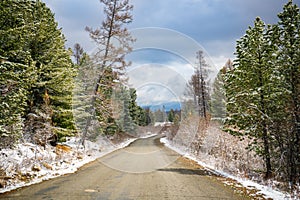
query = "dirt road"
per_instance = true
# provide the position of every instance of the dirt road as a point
(144, 170)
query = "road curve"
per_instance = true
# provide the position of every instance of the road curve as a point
(144, 170)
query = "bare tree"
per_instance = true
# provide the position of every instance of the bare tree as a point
(198, 86)
(113, 42)
(78, 53)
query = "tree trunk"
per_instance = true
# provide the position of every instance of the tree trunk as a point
(88, 123)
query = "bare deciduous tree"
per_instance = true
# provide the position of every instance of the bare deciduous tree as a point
(113, 42)
(198, 86)
(78, 53)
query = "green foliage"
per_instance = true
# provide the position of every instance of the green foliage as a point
(130, 115)
(30, 37)
(171, 115)
(218, 99)
(14, 84)
(288, 43)
(146, 117)
(113, 41)
(263, 92)
(247, 90)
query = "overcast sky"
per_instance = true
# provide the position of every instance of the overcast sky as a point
(214, 25)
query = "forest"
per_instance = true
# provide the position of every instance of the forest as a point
(255, 99)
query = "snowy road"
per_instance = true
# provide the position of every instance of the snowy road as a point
(144, 170)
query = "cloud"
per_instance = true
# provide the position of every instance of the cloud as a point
(202, 20)
(168, 53)
(157, 83)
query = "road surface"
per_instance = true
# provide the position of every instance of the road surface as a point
(144, 170)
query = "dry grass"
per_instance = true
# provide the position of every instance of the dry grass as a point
(223, 152)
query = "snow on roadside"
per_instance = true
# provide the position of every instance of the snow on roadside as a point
(267, 192)
(162, 124)
(29, 164)
(149, 135)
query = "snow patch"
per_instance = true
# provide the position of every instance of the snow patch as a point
(29, 164)
(149, 135)
(161, 123)
(267, 192)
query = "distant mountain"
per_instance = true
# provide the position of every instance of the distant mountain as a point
(167, 106)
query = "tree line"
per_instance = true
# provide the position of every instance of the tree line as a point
(258, 96)
(103, 95)
(44, 95)
(37, 74)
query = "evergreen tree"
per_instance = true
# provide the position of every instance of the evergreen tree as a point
(159, 116)
(263, 92)
(171, 115)
(218, 98)
(143, 117)
(133, 107)
(15, 80)
(82, 95)
(127, 113)
(30, 37)
(247, 89)
(149, 117)
(289, 64)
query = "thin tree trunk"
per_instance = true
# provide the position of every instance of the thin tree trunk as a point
(89, 120)
(267, 152)
(203, 98)
(266, 142)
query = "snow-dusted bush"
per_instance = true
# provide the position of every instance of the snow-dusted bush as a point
(216, 148)
(228, 153)
(186, 133)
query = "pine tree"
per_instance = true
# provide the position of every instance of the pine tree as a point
(31, 37)
(135, 110)
(171, 115)
(53, 66)
(289, 62)
(218, 98)
(263, 92)
(126, 120)
(15, 80)
(143, 118)
(247, 89)
(82, 95)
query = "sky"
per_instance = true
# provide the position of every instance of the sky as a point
(169, 33)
